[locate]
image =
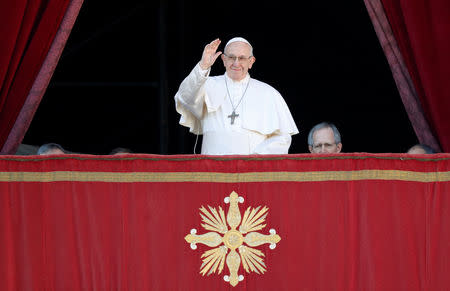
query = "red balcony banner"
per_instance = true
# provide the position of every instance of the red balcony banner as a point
(293, 222)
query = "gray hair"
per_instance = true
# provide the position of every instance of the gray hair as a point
(337, 135)
(427, 149)
(120, 150)
(48, 147)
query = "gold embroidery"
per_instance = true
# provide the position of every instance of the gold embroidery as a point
(215, 177)
(251, 258)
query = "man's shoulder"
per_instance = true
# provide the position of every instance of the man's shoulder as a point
(260, 85)
(215, 83)
(218, 78)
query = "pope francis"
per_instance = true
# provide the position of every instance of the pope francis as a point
(236, 114)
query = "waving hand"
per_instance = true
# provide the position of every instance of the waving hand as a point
(209, 54)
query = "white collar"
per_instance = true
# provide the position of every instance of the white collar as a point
(241, 82)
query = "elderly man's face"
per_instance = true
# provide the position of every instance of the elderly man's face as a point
(237, 60)
(324, 143)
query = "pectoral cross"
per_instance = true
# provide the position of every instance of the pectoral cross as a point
(233, 115)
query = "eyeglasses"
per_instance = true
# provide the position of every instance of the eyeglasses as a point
(234, 58)
(319, 146)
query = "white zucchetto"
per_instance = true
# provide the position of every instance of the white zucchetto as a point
(235, 39)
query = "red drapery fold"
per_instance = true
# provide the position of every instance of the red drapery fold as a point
(348, 222)
(28, 30)
(401, 75)
(421, 29)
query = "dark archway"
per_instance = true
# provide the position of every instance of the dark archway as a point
(115, 83)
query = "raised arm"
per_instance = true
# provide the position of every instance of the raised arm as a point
(189, 99)
(191, 92)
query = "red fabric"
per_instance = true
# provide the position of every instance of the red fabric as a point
(422, 30)
(347, 222)
(402, 78)
(41, 81)
(27, 29)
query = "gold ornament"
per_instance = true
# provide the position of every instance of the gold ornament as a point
(233, 239)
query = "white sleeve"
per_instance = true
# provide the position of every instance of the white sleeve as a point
(190, 98)
(277, 144)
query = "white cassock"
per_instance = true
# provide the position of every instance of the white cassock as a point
(264, 124)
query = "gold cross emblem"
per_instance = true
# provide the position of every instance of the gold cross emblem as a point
(242, 240)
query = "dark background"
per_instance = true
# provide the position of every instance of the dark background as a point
(123, 63)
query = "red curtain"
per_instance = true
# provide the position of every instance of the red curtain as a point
(402, 78)
(28, 30)
(421, 29)
(347, 222)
